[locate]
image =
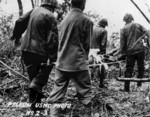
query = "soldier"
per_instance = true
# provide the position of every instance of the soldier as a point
(99, 42)
(131, 45)
(99, 39)
(72, 62)
(39, 44)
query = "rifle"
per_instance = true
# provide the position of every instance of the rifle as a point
(141, 11)
(136, 43)
(123, 56)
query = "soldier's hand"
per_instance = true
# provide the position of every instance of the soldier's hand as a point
(121, 57)
(115, 54)
(17, 43)
(12, 38)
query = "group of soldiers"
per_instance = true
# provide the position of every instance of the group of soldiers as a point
(42, 46)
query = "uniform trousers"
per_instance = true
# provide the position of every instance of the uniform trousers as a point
(81, 80)
(130, 63)
(38, 72)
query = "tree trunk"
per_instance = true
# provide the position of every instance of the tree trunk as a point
(20, 7)
(32, 2)
(35, 3)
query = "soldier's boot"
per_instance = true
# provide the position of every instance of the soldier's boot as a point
(127, 86)
(102, 76)
(32, 99)
(41, 79)
(139, 84)
(36, 88)
(35, 99)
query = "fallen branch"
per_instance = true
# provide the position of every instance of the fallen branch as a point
(110, 63)
(133, 79)
(14, 70)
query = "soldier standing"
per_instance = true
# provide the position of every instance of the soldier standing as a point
(39, 44)
(131, 45)
(99, 41)
(72, 62)
(99, 38)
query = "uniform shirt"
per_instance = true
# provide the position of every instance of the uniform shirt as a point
(41, 36)
(99, 39)
(20, 26)
(74, 42)
(129, 35)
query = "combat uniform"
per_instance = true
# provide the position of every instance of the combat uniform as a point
(39, 44)
(72, 62)
(99, 39)
(133, 49)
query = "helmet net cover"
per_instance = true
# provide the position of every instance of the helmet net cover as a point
(128, 17)
(53, 3)
(103, 22)
(77, 2)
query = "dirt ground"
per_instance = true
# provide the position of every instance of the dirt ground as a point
(111, 101)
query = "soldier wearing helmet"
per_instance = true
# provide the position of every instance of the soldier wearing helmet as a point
(39, 45)
(128, 18)
(132, 47)
(103, 22)
(99, 39)
(99, 42)
(52, 3)
(72, 62)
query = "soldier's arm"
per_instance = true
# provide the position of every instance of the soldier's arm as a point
(147, 36)
(104, 42)
(20, 26)
(122, 48)
(143, 30)
(88, 36)
(52, 42)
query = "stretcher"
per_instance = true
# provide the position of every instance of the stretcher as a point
(99, 68)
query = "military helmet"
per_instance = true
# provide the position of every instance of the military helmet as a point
(53, 3)
(77, 1)
(128, 17)
(103, 22)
